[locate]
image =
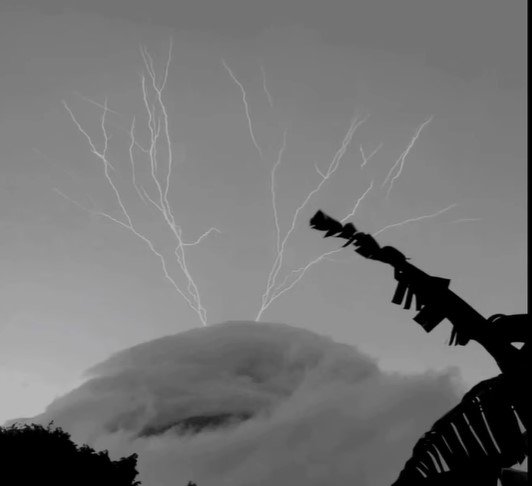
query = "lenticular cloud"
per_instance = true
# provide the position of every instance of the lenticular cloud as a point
(245, 404)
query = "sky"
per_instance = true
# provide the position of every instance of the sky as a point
(76, 286)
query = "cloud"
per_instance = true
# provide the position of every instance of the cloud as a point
(244, 403)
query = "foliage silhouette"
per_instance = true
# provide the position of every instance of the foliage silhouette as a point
(32, 454)
(478, 440)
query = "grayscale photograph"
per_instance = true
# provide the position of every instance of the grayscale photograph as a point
(263, 243)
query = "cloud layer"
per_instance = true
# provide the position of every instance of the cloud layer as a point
(244, 404)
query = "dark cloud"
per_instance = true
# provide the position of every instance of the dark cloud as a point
(243, 403)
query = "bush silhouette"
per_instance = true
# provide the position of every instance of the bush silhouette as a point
(31, 454)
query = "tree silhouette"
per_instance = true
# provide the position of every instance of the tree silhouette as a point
(33, 454)
(482, 437)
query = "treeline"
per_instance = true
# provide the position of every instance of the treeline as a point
(31, 454)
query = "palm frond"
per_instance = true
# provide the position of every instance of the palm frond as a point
(483, 434)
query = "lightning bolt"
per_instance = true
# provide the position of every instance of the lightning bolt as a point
(465, 220)
(191, 302)
(159, 91)
(370, 156)
(158, 127)
(273, 291)
(274, 195)
(246, 107)
(414, 220)
(401, 160)
(264, 87)
(294, 276)
(277, 290)
(99, 105)
(160, 172)
(111, 123)
(318, 170)
(299, 273)
(357, 204)
(132, 161)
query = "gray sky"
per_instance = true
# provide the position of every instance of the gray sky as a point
(77, 287)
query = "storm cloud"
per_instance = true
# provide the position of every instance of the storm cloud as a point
(242, 403)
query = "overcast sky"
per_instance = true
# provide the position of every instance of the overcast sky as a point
(76, 287)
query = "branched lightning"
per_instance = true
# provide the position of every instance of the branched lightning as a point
(297, 274)
(401, 160)
(111, 123)
(357, 204)
(274, 288)
(130, 227)
(159, 92)
(365, 159)
(158, 127)
(318, 170)
(414, 220)
(273, 291)
(246, 107)
(160, 172)
(132, 161)
(99, 105)
(198, 240)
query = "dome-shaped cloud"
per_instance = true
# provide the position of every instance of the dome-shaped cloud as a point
(243, 404)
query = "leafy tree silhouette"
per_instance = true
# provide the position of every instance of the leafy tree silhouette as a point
(33, 454)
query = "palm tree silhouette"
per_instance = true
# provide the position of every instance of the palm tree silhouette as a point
(480, 439)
